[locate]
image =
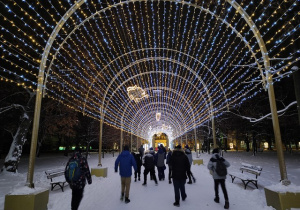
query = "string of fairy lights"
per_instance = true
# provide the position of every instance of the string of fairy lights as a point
(194, 59)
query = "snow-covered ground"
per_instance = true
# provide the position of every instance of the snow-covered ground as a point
(104, 193)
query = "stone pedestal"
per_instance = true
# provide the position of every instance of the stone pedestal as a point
(99, 172)
(282, 200)
(37, 200)
(198, 161)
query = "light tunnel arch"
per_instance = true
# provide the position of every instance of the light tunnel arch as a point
(40, 86)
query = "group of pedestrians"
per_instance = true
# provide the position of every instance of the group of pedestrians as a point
(179, 164)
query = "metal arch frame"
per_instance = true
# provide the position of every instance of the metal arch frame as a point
(121, 140)
(169, 89)
(202, 9)
(207, 105)
(41, 81)
(270, 87)
(181, 116)
(39, 91)
(144, 59)
(141, 133)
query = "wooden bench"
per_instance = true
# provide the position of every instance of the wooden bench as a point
(246, 178)
(51, 174)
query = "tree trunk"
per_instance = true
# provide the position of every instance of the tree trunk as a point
(13, 157)
(247, 144)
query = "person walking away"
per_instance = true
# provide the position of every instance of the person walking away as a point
(149, 164)
(80, 164)
(160, 157)
(180, 167)
(169, 165)
(188, 153)
(141, 151)
(219, 179)
(125, 161)
(137, 158)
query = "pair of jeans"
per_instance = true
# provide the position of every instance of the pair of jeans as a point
(77, 195)
(179, 188)
(222, 183)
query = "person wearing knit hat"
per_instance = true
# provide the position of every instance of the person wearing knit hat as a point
(218, 179)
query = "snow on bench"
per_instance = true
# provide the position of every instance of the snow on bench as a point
(57, 177)
(247, 178)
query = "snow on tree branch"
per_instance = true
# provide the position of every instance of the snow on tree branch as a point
(254, 120)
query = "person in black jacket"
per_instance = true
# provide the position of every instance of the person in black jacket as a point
(169, 165)
(78, 186)
(149, 164)
(180, 167)
(138, 160)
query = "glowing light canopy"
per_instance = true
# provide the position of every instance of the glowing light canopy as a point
(185, 59)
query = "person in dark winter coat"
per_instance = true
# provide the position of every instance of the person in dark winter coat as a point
(78, 186)
(160, 157)
(169, 165)
(149, 164)
(188, 153)
(218, 180)
(180, 167)
(141, 151)
(138, 160)
(125, 161)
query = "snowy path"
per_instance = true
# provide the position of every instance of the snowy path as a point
(104, 193)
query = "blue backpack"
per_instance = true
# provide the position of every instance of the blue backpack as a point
(73, 172)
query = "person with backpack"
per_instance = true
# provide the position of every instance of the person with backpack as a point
(76, 173)
(218, 167)
(125, 161)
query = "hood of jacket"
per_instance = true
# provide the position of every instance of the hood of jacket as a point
(125, 153)
(178, 152)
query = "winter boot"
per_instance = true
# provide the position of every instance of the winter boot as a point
(122, 196)
(145, 183)
(217, 199)
(190, 182)
(226, 206)
(139, 178)
(176, 204)
(170, 182)
(127, 200)
(135, 179)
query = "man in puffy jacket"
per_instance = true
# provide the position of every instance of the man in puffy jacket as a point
(78, 186)
(212, 165)
(125, 161)
(180, 167)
